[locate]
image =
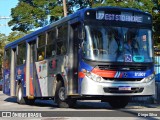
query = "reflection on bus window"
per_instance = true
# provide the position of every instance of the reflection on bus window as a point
(115, 43)
(51, 47)
(21, 56)
(61, 48)
(112, 43)
(7, 59)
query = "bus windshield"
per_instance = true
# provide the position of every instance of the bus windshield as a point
(118, 44)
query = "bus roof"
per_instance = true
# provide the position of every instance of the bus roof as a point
(70, 17)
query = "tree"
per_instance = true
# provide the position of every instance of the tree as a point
(156, 23)
(29, 14)
(15, 35)
(144, 5)
(5, 40)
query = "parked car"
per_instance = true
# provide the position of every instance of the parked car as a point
(1, 83)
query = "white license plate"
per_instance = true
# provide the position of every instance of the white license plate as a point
(124, 88)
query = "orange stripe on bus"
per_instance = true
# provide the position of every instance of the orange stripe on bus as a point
(81, 75)
(31, 87)
(104, 73)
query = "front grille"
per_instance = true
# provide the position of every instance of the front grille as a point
(122, 79)
(122, 67)
(116, 90)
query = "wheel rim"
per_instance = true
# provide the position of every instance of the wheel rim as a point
(62, 93)
(19, 94)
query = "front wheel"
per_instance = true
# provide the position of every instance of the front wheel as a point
(60, 98)
(119, 101)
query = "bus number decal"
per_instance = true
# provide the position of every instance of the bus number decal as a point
(140, 74)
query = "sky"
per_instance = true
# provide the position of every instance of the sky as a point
(5, 11)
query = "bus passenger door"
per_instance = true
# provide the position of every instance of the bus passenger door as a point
(73, 50)
(32, 80)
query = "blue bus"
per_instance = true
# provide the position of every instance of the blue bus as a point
(103, 53)
(157, 65)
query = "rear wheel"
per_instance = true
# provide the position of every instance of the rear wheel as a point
(119, 101)
(20, 98)
(60, 97)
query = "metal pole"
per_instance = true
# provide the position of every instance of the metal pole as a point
(64, 8)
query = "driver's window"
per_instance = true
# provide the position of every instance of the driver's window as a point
(97, 39)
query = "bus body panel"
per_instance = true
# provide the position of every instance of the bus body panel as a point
(117, 88)
(112, 81)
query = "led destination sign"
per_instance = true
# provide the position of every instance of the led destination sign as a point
(100, 15)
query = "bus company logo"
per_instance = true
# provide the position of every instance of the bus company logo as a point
(125, 75)
(100, 15)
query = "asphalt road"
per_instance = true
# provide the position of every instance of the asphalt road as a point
(90, 110)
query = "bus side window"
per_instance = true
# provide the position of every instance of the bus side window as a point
(50, 47)
(61, 48)
(7, 59)
(21, 56)
(41, 47)
(62, 40)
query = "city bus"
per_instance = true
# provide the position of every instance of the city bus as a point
(103, 53)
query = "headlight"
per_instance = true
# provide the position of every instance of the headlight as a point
(149, 78)
(93, 76)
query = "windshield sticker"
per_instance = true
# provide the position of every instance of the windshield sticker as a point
(128, 58)
(138, 58)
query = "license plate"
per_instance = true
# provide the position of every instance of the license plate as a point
(124, 88)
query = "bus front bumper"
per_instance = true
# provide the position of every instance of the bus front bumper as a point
(90, 87)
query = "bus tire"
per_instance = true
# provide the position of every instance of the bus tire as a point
(119, 102)
(20, 98)
(60, 97)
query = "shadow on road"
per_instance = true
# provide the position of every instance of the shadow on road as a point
(45, 103)
(11, 99)
(38, 103)
(83, 104)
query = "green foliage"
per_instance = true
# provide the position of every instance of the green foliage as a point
(144, 5)
(15, 36)
(5, 40)
(2, 43)
(30, 14)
